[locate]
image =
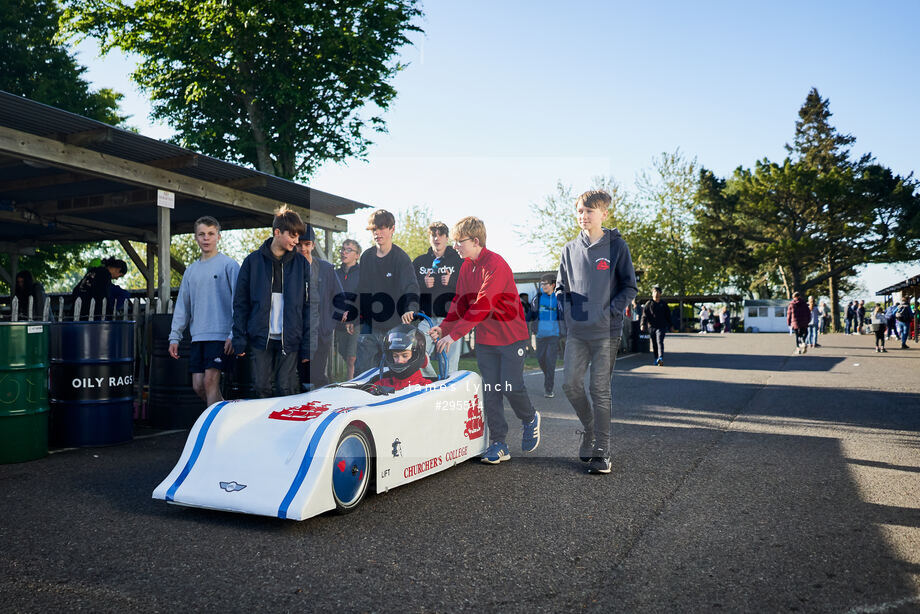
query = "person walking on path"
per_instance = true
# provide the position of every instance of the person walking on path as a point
(349, 274)
(487, 300)
(726, 318)
(548, 326)
(205, 306)
(596, 282)
(878, 325)
(904, 315)
(814, 324)
(271, 309)
(656, 320)
(825, 317)
(387, 291)
(798, 317)
(437, 271)
(860, 310)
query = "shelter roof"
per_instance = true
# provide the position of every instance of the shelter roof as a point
(901, 285)
(68, 178)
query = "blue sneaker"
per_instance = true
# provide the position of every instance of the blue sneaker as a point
(658, 361)
(531, 437)
(496, 453)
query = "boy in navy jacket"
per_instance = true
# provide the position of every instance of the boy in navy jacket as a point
(271, 313)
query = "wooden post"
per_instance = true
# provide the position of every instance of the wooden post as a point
(163, 238)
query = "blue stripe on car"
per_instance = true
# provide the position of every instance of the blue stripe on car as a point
(196, 451)
(317, 435)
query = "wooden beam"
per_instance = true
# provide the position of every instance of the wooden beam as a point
(85, 137)
(245, 183)
(135, 257)
(176, 263)
(17, 248)
(173, 163)
(32, 147)
(42, 181)
(121, 231)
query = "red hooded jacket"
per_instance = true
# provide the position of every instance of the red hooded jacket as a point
(798, 315)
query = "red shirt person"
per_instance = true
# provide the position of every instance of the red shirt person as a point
(487, 300)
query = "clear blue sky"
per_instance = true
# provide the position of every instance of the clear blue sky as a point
(503, 99)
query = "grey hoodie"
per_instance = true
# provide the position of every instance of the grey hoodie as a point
(597, 281)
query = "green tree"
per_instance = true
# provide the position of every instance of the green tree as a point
(667, 195)
(34, 64)
(282, 86)
(552, 223)
(412, 230)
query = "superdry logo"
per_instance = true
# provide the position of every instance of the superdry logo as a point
(302, 413)
(602, 264)
(232, 486)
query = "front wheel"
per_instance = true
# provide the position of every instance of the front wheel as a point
(351, 469)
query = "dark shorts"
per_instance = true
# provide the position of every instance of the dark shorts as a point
(346, 345)
(209, 355)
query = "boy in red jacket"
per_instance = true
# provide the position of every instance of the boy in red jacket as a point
(487, 300)
(798, 316)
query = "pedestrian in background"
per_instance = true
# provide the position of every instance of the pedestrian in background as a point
(327, 303)
(860, 316)
(27, 288)
(904, 315)
(656, 320)
(548, 325)
(878, 326)
(97, 285)
(349, 274)
(850, 317)
(814, 324)
(798, 317)
(704, 320)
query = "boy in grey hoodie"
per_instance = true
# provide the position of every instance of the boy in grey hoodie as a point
(597, 281)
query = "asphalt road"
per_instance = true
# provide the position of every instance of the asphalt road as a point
(745, 479)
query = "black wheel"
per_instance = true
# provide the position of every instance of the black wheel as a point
(351, 469)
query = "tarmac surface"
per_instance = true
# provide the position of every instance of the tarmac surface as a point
(746, 479)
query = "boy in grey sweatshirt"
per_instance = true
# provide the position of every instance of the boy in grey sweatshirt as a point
(596, 281)
(205, 302)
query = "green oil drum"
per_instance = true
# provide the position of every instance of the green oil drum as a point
(23, 391)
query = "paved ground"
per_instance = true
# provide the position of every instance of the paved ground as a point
(745, 479)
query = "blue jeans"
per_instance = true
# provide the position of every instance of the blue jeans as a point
(369, 351)
(502, 369)
(812, 337)
(903, 331)
(602, 356)
(657, 337)
(849, 325)
(547, 353)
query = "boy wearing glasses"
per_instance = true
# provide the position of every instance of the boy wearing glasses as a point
(387, 291)
(437, 271)
(349, 273)
(596, 282)
(487, 300)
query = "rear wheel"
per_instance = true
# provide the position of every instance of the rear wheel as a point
(351, 469)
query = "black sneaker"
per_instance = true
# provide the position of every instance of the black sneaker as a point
(586, 449)
(600, 461)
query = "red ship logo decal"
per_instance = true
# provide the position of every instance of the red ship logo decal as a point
(475, 426)
(314, 409)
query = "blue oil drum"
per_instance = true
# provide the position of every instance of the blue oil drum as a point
(23, 391)
(91, 383)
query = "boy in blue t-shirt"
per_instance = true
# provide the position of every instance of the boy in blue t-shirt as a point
(549, 327)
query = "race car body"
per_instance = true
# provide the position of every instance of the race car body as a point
(302, 455)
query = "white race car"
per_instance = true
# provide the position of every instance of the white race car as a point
(302, 455)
